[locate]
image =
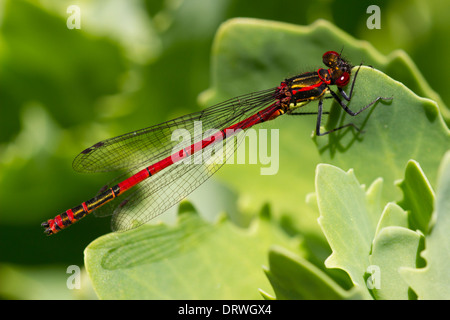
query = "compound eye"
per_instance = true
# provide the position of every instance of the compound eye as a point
(330, 58)
(343, 80)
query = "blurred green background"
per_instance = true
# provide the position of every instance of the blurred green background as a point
(131, 65)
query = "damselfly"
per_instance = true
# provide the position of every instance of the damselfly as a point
(155, 165)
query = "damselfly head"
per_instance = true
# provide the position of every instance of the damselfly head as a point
(340, 69)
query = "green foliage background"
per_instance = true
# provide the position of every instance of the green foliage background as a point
(137, 63)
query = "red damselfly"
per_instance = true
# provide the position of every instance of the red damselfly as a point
(152, 162)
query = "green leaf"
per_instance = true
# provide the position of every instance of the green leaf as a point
(293, 277)
(345, 221)
(392, 215)
(393, 248)
(408, 128)
(433, 281)
(191, 260)
(251, 54)
(420, 208)
(370, 249)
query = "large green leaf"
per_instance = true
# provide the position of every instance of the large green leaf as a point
(420, 208)
(393, 248)
(190, 260)
(346, 221)
(369, 243)
(251, 54)
(433, 281)
(370, 250)
(293, 277)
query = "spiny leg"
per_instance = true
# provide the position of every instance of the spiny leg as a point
(319, 122)
(350, 112)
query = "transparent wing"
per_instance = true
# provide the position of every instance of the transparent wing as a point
(160, 192)
(137, 148)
